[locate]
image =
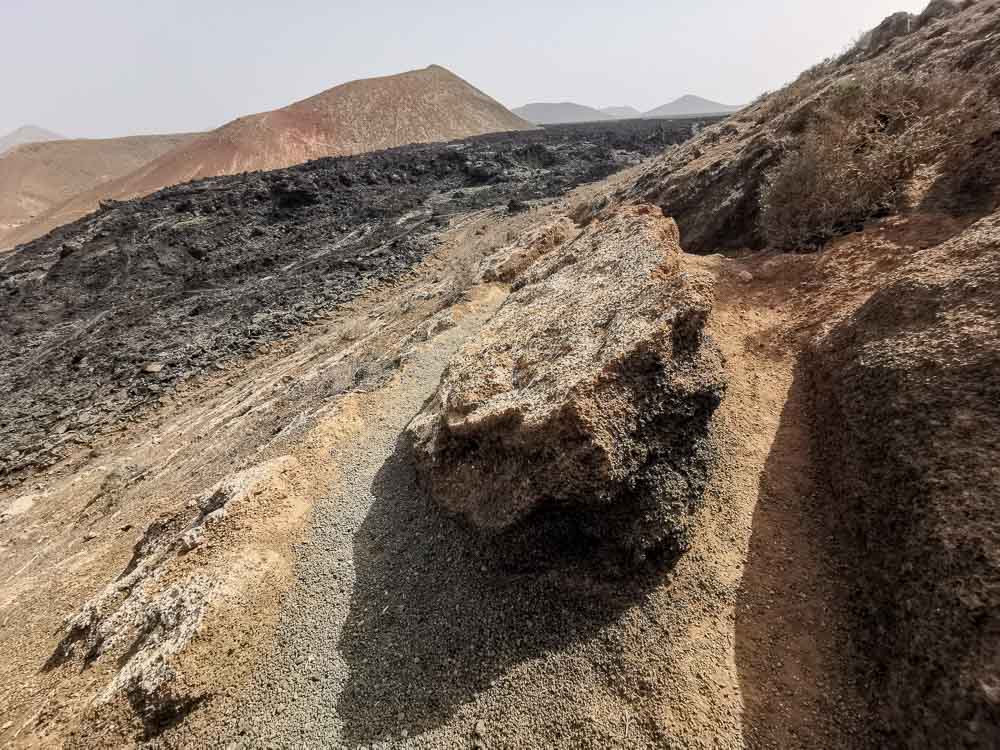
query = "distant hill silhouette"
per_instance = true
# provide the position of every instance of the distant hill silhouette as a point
(27, 134)
(690, 105)
(622, 113)
(558, 113)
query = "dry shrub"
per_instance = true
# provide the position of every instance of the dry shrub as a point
(354, 330)
(461, 274)
(862, 141)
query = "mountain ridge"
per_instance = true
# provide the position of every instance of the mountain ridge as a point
(691, 105)
(559, 113)
(430, 104)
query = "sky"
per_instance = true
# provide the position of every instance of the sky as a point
(105, 68)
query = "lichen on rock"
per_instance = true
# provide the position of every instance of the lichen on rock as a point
(586, 399)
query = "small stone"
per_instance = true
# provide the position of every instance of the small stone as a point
(217, 516)
(745, 276)
(442, 324)
(152, 368)
(480, 729)
(192, 538)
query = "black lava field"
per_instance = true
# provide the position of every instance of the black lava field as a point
(209, 271)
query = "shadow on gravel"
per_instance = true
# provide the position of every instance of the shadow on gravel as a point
(439, 612)
(793, 651)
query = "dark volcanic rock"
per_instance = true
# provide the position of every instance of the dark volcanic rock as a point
(576, 407)
(908, 397)
(179, 277)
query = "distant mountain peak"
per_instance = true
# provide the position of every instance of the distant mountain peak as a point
(27, 134)
(690, 105)
(559, 113)
(622, 113)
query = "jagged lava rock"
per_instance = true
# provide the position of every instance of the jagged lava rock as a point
(586, 397)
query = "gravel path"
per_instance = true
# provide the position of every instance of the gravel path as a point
(295, 694)
(405, 630)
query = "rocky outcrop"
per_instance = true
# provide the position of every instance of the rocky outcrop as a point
(715, 185)
(894, 26)
(136, 630)
(585, 402)
(713, 188)
(908, 399)
(937, 9)
(509, 262)
(902, 24)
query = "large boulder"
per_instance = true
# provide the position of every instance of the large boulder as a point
(908, 406)
(893, 27)
(938, 9)
(586, 399)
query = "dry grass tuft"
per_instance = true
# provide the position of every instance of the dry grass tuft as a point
(854, 148)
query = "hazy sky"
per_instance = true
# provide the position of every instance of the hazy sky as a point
(92, 68)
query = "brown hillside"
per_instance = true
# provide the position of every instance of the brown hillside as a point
(418, 106)
(890, 152)
(907, 119)
(37, 177)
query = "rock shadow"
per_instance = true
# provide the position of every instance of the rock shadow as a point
(440, 611)
(799, 672)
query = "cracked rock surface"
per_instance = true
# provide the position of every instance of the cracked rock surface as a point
(584, 403)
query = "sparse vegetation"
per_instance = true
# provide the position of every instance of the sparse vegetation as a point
(858, 143)
(459, 278)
